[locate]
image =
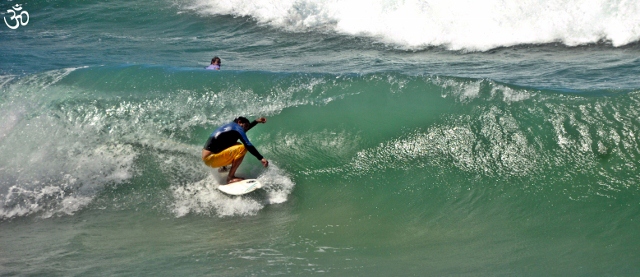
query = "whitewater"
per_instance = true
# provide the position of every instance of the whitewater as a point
(454, 25)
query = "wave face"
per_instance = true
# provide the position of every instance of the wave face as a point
(66, 144)
(455, 25)
(408, 163)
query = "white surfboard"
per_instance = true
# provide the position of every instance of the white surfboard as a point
(240, 188)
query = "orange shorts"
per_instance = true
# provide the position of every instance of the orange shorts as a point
(226, 157)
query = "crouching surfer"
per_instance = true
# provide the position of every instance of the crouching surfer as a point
(222, 147)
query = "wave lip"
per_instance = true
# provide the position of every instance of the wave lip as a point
(454, 25)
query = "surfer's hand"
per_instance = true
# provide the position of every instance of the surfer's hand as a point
(261, 120)
(264, 162)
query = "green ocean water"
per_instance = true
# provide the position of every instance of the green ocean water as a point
(387, 159)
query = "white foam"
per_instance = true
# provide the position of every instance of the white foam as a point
(454, 24)
(61, 182)
(203, 198)
(54, 163)
(277, 183)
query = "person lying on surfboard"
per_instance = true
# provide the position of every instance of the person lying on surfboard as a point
(222, 147)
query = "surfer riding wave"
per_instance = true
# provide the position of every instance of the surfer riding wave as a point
(222, 148)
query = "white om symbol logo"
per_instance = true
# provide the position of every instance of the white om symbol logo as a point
(19, 18)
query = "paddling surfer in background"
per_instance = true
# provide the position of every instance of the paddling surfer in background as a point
(222, 147)
(215, 64)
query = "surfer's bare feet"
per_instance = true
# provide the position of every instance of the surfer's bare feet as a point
(223, 169)
(234, 179)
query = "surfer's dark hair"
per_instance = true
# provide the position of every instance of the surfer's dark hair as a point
(241, 120)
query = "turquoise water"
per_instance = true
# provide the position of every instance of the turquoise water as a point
(406, 138)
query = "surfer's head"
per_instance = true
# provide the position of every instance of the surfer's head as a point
(215, 60)
(243, 121)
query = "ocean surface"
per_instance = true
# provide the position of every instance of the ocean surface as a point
(406, 137)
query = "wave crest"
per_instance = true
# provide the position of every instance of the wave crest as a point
(455, 25)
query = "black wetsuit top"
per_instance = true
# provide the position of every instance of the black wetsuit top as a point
(228, 135)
